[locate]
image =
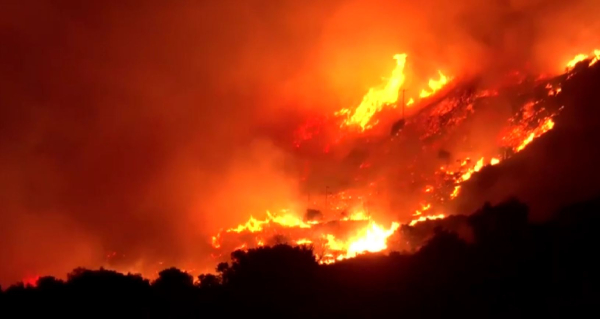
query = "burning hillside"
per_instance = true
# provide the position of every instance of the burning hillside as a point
(134, 134)
(434, 140)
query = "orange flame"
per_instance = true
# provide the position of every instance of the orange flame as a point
(303, 241)
(359, 215)
(254, 225)
(435, 85)
(377, 98)
(424, 218)
(373, 237)
(594, 57)
(546, 126)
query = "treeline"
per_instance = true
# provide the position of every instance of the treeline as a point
(506, 267)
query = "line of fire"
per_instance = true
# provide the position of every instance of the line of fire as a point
(417, 143)
(393, 124)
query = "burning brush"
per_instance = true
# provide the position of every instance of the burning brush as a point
(445, 107)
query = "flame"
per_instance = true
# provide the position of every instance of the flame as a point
(424, 207)
(435, 85)
(467, 175)
(365, 234)
(303, 241)
(594, 57)
(578, 58)
(553, 91)
(546, 126)
(241, 247)
(216, 240)
(424, 218)
(455, 191)
(377, 98)
(372, 238)
(360, 215)
(254, 225)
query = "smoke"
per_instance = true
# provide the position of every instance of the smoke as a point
(142, 128)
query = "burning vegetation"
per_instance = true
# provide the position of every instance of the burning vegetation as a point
(138, 138)
(345, 225)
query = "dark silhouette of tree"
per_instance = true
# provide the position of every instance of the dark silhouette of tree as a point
(208, 281)
(512, 268)
(173, 279)
(506, 221)
(177, 293)
(49, 283)
(281, 274)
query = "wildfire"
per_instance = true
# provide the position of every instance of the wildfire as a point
(424, 218)
(359, 215)
(351, 234)
(455, 192)
(387, 95)
(372, 238)
(303, 241)
(435, 85)
(254, 225)
(546, 126)
(594, 57)
(377, 98)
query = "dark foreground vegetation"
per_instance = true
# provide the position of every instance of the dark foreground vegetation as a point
(509, 267)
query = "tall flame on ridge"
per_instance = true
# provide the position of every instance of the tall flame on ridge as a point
(435, 85)
(377, 98)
